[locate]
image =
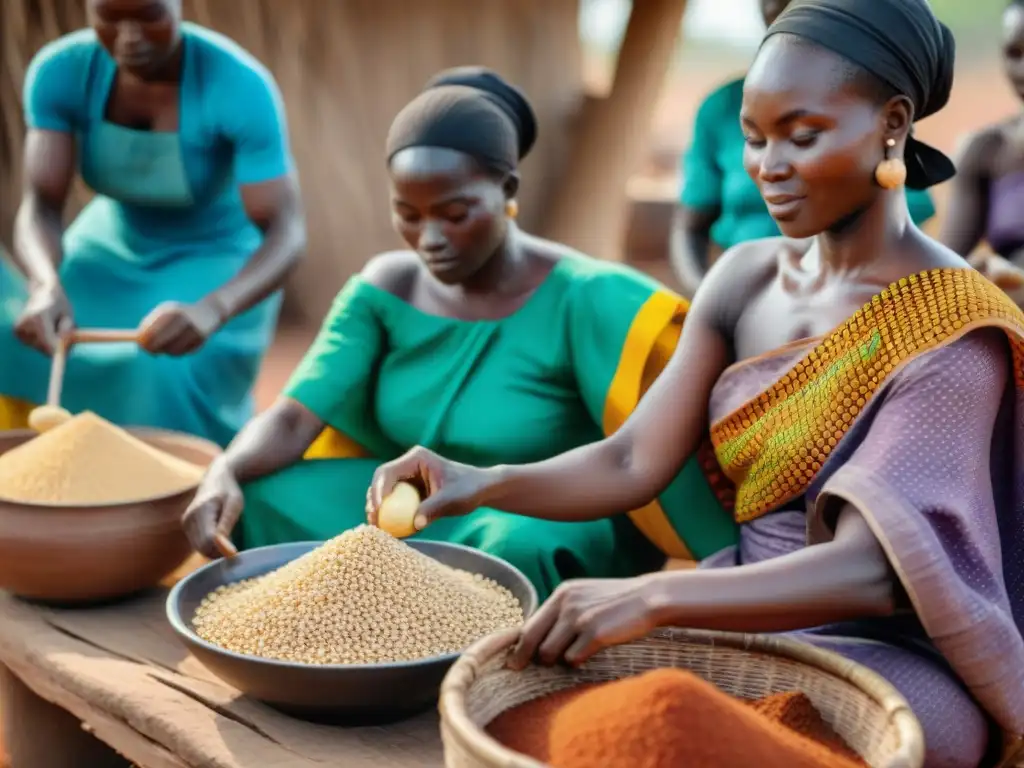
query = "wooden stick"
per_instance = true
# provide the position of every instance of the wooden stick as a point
(60, 356)
(99, 335)
(226, 547)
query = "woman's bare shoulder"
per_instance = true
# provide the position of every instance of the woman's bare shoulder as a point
(740, 275)
(393, 271)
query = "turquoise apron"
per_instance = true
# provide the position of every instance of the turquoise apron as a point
(137, 167)
(141, 241)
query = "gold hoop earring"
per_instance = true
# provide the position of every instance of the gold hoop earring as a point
(512, 209)
(891, 173)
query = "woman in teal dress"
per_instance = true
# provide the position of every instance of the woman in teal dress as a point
(482, 341)
(720, 206)
(195, 223)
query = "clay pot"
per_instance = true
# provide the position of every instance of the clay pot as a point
(88, 554)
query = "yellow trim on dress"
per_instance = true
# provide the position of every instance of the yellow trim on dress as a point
(650, 342)
(332, 444)
(14, 413)
(773, 446)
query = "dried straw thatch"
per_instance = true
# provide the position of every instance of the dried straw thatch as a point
(345, 67)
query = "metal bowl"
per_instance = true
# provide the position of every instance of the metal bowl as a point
(73, 555)
(350, 694)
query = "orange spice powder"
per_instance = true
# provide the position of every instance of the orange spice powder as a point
(666, 718)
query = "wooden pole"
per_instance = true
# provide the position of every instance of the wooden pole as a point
(591, 210)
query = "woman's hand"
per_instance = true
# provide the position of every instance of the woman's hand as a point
(448, 488)
(214, 511)
(583, 617)
(45, 319)
(179, 329)
(1005, 274)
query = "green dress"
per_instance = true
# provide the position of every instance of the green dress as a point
(714, 177)
(562, 371)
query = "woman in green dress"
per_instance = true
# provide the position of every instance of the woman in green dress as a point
(482, 341)
(720, 205)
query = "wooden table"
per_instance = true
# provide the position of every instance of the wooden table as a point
(120, 674)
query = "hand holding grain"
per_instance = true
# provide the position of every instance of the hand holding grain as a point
(214, 512)
(447, 488)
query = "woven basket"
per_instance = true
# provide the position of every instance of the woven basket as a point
(862, 707)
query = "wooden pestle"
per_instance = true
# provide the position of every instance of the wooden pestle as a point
(225, 546)
(103, 335)
(51, 415)
(60, 359)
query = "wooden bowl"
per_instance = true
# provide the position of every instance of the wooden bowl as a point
(862, 707)
(68, 555)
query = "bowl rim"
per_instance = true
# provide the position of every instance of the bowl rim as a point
(185, 631)
(201, 443)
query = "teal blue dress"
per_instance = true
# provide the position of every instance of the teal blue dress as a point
(167, 223)
(714, 177)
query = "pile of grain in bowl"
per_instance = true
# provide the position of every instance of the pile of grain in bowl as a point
(88, 461)
(363, 597)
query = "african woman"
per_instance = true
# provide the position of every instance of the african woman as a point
(987, 201)
(862, 389)
(480, 340)
(720, 206)
(195, 224)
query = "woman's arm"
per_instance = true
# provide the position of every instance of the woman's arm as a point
(689, 246)
(255, 122)
(49, 168)
(963, 225)
(700, 203)
(276, 438)
(276, 208)
(53, 101)
(846, 578)
(329, 387)
(252, 119)
(636, 463)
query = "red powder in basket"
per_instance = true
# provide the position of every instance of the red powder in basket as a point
(668, 718)
(795, 711)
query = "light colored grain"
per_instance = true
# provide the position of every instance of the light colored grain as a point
(361, 598)
(89, 461)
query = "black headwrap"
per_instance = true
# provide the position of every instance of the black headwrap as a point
(898, 41)
(470, 110)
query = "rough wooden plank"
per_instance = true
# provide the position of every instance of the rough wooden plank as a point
(122, 665)
(143, 635)
(126, 740)
(40, 733)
